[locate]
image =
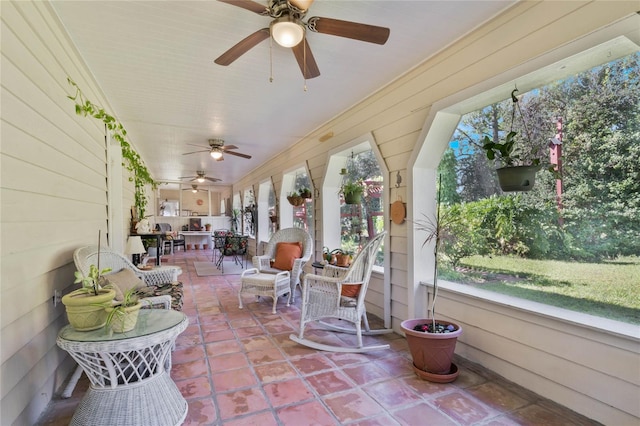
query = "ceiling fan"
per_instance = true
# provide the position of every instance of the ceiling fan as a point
(194, 189)
(201, 177)
(288, 30)
(217, 148)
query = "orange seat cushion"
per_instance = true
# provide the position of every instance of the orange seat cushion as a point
(286, 254)
(350, 290)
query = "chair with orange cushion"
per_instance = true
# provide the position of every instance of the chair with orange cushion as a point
(339, 293)
(288, 249)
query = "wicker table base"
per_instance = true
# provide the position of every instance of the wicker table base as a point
(156, 401)
(260, 284)
(129, 372)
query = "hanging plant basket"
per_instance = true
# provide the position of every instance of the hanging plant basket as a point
(295, 200)
(518, 178)
(353, 198)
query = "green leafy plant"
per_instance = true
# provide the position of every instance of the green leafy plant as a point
(438, 231)
(118, 309)
(92, 283)
(505, 152)
(140, 175)
(354, 188)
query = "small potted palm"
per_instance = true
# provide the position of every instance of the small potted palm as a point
(432, 341)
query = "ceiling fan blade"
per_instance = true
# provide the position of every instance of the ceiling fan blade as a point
(238, 154)
(225, 147)
(306, 61)
(220, 159)
(301, 4)
(242, 47)
(249, 5)
(193, 144)
(213, 179)
(195, 152)
(348, 29)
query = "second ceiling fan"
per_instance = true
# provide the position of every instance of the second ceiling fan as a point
(288, 30)
(217, 148)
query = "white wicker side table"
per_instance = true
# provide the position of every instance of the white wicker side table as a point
(129, 372)
(261, 284)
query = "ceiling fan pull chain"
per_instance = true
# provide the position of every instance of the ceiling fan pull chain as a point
(304, 60)
(270, 60)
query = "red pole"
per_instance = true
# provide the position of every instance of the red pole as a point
(555, 156)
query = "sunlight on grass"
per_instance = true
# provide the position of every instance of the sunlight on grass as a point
(609, 289)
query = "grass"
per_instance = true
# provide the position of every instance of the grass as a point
(609, 289)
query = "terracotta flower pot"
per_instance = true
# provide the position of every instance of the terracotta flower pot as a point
(84, 311)
(432, 352)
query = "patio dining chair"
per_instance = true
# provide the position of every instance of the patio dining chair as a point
(235, 246)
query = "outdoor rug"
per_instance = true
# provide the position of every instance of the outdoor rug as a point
(205, 269)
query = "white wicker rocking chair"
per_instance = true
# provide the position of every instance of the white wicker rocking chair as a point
(262, 263)
(322, 298)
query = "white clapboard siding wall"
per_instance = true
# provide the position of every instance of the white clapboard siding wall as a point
(53, 167)
(396, 116)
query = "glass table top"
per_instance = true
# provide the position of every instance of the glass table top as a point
(149, 321)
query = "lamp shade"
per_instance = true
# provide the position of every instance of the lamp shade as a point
(286, 31)
(134, 246)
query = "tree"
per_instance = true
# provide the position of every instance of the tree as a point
(601, 155)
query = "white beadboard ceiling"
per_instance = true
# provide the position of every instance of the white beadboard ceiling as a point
(154, 62)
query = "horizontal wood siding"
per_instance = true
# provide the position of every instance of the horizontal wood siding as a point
(540, 348)
(54, 199)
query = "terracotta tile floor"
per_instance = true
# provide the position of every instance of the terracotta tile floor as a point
(238, 367)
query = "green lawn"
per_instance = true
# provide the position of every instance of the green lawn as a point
(609, 289)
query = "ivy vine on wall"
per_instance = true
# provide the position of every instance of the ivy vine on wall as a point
(139, 174)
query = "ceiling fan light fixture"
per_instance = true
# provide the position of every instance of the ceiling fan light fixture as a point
(287, 31)
(200, 179)
(216, 154)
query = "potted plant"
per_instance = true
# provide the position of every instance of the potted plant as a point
(84, 306)
(432, 341)
(305, 192)
(122, 316)
(352, 192)
(342, 257)
(518, 165)
(295, 199)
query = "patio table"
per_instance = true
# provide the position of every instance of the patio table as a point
(129, 372)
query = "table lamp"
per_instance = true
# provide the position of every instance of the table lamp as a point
(135, 248)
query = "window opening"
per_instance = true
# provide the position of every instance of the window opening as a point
(361, 218)
(560, 245)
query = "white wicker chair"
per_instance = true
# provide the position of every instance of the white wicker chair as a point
(83, 257)
(322, 299)
(263, 263)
